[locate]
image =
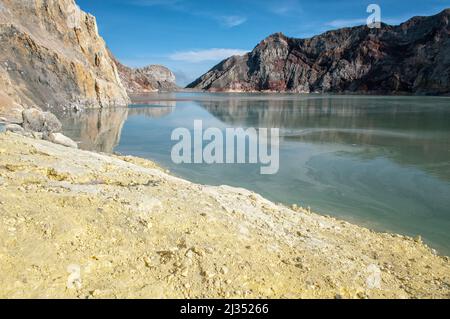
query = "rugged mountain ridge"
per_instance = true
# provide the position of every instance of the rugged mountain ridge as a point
(413, 57)
(151, 78)
(53, 57)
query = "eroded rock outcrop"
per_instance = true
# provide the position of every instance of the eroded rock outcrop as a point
(53, 57)
(410, 58)
(152, 78)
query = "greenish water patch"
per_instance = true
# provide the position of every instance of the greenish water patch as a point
(381, 162)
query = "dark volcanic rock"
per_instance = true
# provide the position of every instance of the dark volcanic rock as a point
(413, 57)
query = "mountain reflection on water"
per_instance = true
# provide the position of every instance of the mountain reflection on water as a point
(381, 162)
(410, 130)
(100, 129)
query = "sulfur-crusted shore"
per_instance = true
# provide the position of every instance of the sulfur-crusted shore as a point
(85, 225)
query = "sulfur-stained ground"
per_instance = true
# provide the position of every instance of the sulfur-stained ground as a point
(78, 224)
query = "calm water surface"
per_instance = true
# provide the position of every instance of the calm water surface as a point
(381, 162)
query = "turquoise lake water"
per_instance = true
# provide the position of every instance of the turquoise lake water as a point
(380, 162)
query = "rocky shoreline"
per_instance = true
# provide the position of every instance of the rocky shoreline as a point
(79, 224)
(38, 124)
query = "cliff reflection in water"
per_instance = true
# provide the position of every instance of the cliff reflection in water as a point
(152, 111)
(97, 129)
(100, 129)
(409, 130)
(412, 133)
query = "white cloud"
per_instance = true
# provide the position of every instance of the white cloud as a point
(232, 21)
(341, 23)
(286, 7)
(228, 21)
(205, 55)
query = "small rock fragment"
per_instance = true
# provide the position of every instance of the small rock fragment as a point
(61, 139)
(147, 261)
(224, 270)
(14, 128)
(189, 254)
(184, 272)
(207, 274)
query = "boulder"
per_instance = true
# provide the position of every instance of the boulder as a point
(37, 121)
(61, 139)
(14, 128)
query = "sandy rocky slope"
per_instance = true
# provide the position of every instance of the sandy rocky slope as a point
(79, 224)
(85, 225)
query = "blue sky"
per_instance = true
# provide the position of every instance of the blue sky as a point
(191, 36)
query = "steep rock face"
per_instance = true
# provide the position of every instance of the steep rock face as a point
(53, 57)
(413, 57)
(151, 78)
